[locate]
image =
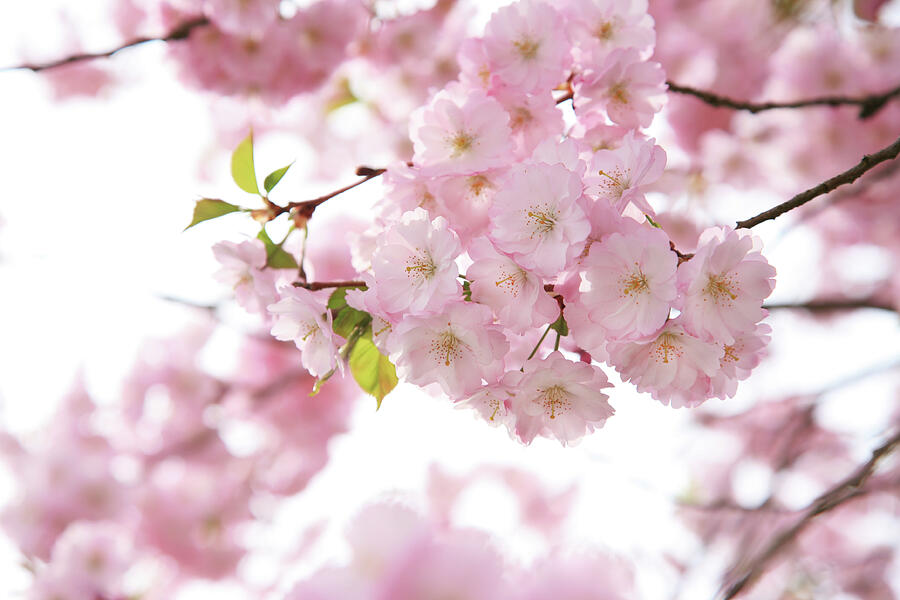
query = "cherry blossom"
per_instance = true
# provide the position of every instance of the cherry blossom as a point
(632, 282)
(243, 269)
(456, 348)
(724, 285)
(622, 175)
(301, 316)
(537, 219)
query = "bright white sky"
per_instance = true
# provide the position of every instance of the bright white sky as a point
(94, 197)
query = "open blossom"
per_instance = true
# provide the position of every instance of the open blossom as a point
(243, 269)
(536, 217)
(724, 285)
(455, 349)
(460, 131)
(620, 176)
(516, 296)
(666, 364)
(414, 265)
(561, 397)
(527, 46)
(494, 402)
(533, 118)
(465, 200)
(302, 317)
(597, 27)
(632, 282)
(739, 358)
(631, 91)
(242, 16)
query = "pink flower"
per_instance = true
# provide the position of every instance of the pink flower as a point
(494, 402)
(536, 217)
(667, 364)
(455, 349)
(724, 285)
(242, 16)
(527, 46)
(620, 176)
(466, 199)
(533, 118)
(631, 91)
(414, 265)
(243, 269)
(597, 27)
(516, 296)
(632, 279)
(560, 397)
(460, 131)
(739, 358)
(302, 317)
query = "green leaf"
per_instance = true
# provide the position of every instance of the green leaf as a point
(274, 177)
(338, 299)
(276, 256)
(372, 370)
(560, 326)
(210, 208)
(242, 170)
(348, 319)
(467, 291)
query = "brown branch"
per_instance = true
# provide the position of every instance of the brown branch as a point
(868, 105)
(323, 285)
(868, 162)
(825, 306)
(303, 210)
(845, 490)
(180, 32)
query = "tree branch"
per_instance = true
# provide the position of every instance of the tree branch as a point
(868, 105)
(825, 306)
(845, 490)
(180, 32)
(868, 162)
(324, 285)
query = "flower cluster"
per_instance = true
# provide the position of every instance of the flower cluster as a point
(508, 221)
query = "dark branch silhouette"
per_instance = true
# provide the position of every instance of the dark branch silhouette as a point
(845, 490)
(868, 162)
(868, 105)
(180, 32)
(824, 306)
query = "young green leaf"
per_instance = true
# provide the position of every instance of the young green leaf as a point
(274, 177)
(560, 326)
(242, 170)
(210, 208)
(372, 370)
(338, 299)
(651, 221)
(348, 319)
(276, 256)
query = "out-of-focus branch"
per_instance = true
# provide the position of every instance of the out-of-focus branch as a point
(324, 285)
(180, 32)
(824, 306)
(845, 490)
(868, 105)
(868, 162)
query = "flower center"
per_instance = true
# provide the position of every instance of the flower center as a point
(511, 281)
(460, 143)
(554, 399)
(635, 283)
(420, 267)
(720, 288)
(667, 347)
(618, 92)
(447, 347)
(605, 31)
(527, 48)
(542, 219)
(615, 183)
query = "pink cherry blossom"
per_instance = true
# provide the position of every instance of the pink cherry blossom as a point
(414, 265)
(460, 131)
(527, 45)
(243, 269)
(536, 217)
(621, 176)
(632, 282)
(302, 317)
(242, 16)
(560, 397)
(455, 349)
(516, 296)
(667, 363)
(597, 27)
(724, 285)
(629, 90)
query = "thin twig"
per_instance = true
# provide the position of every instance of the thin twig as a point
(306, 207)
(868, 162)
(825, 306)
(845, 490)
(324, 285)
(180, 32)
(868, 105)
